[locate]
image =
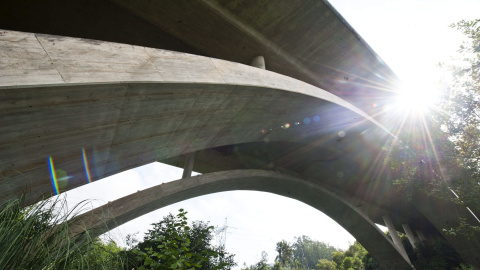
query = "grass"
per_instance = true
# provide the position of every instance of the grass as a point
(37, 237)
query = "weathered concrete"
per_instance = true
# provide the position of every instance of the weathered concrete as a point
(421, 236)
(189, 160)
(306, 40)
(411, 237)
(94, 101)
(395, 238)
(258, 62)
(354, 221)
(119, 106)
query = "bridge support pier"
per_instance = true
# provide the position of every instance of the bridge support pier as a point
(187, 170)
(411, 237)
(421, 236)
(258, 62)
(395, 238)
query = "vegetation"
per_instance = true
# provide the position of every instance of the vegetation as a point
(461, 123)
(427, 256)
(37, 237)
(173, 244)
(443, 161)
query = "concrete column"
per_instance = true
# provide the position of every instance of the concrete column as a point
(421, 236)
(258, 62)
(411, 237)
(395, 238)
(187, 170)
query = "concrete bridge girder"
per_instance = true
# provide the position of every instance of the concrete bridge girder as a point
(115, 107)
(128, 105)
(118, 212)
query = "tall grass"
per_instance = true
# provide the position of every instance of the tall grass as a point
(37, 237)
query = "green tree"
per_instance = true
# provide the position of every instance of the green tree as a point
(337, 257)
(285, 253)
(369, 263)
(100, 256)
(308, 251)
(347, 263)
(172, 244)
(446, 165)
(303, 253)
(355, 250)
(461, 122)
(325, 264)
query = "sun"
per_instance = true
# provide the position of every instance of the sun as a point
(417, 98)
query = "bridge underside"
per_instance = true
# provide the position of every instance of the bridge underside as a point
(91, 109)
(306, 40)
(348, 216)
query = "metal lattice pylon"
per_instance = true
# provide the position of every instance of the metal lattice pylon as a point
(221, 234)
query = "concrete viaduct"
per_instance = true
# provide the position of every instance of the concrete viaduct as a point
(276, 96)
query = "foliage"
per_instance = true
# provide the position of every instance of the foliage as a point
(369, 263)
(308, 251)
(438, 255)
(351, 263)
(101, 256)
(356, 250)
(325, 264)
(38, 237)
(285, 253)
(461, 122)
(337, 257)
(443, 158)
(303, 253)
(172, 244)
(261, 265)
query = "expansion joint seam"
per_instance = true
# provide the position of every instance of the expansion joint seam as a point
(51, 60)
(120, 113)
(216, 69)
(151, 62)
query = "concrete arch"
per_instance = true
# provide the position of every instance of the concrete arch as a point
(142, 202)
(117, 106)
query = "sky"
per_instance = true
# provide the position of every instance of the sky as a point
(411, 36)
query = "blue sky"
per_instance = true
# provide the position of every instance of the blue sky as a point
(411, 36)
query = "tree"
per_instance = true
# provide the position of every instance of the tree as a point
(285, 253)
(172, 244)
(369, 263)
(356, 250)
(325, 264)
(308, 251)
(100, 255)
(337, 257)
(304, 253)
(447, 167)
(461, 122)
(261, 265)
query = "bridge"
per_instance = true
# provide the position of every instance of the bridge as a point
(282, 97)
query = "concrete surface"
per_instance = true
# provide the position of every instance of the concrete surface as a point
(303, 39)
(142, 202)
(125, 106)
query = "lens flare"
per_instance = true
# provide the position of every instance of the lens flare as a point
(53, 176)
(85, 165)
(417, 98)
